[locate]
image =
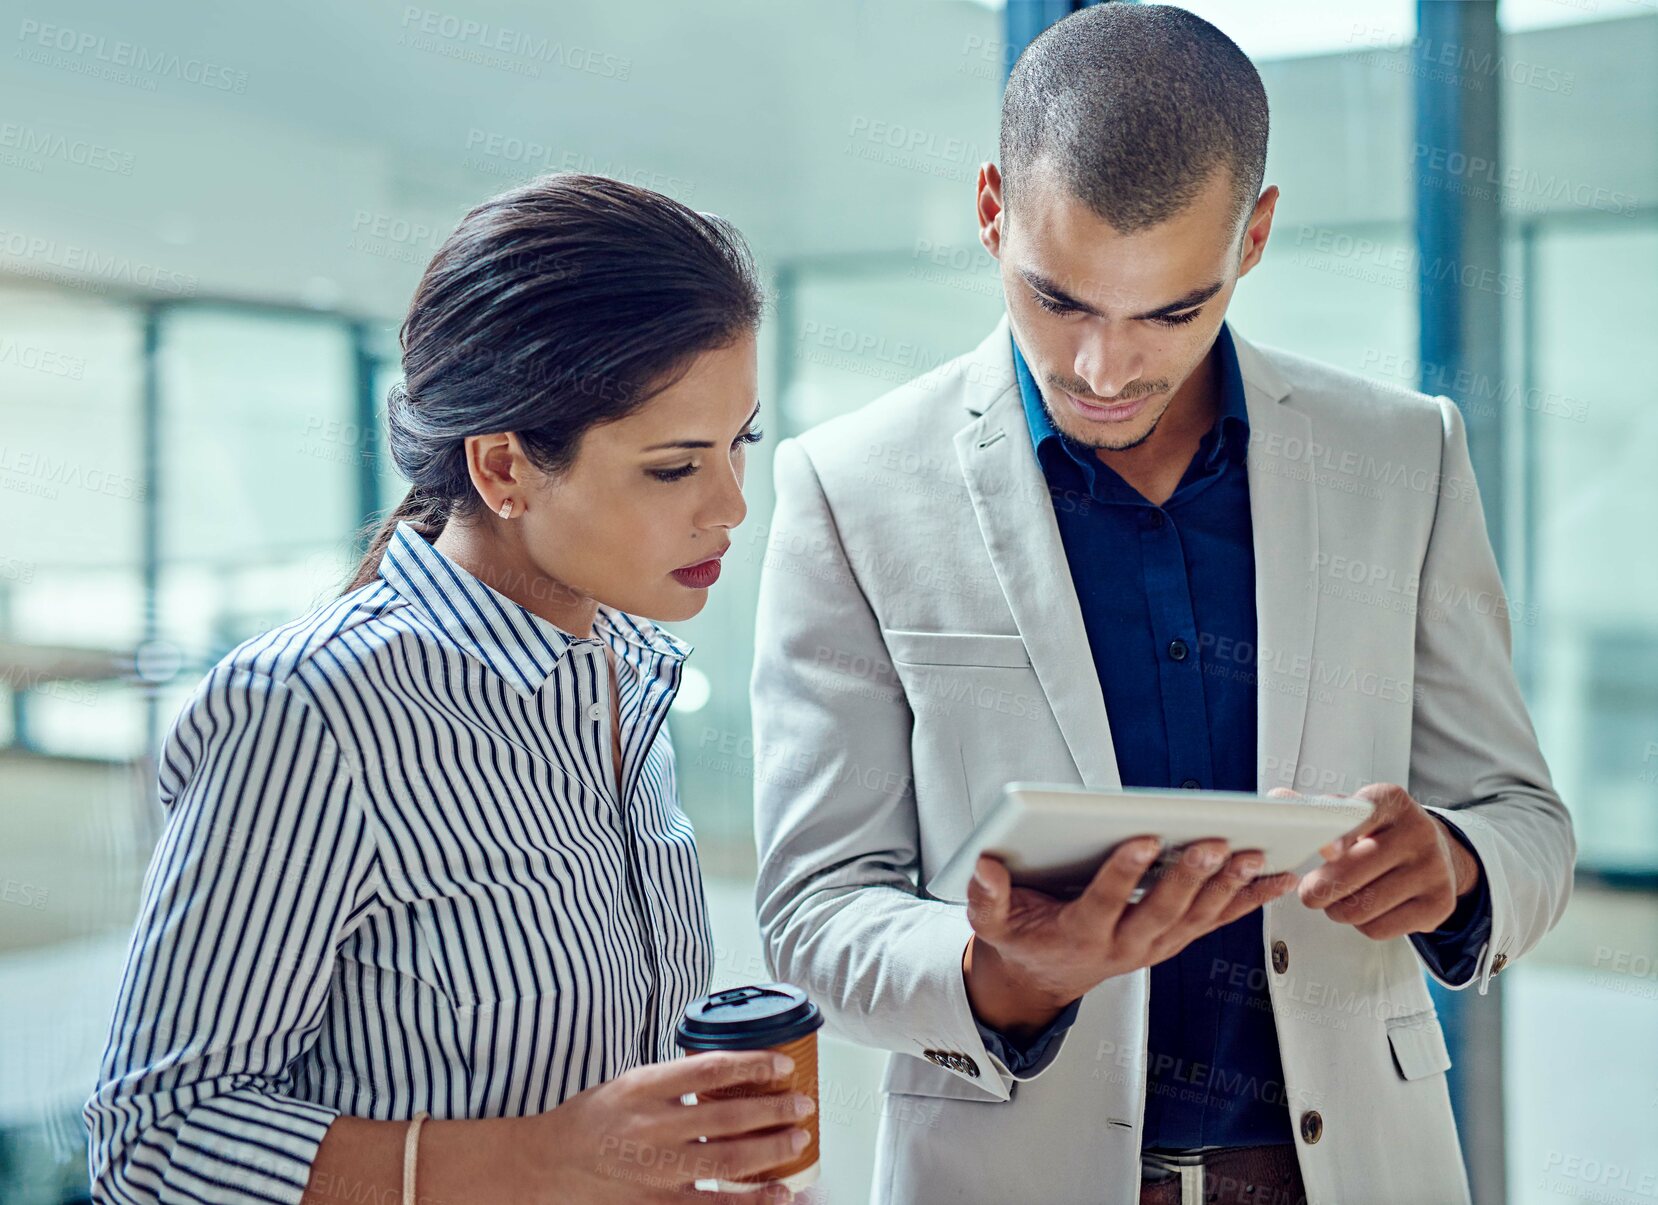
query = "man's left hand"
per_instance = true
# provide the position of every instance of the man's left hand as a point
(1399, 872)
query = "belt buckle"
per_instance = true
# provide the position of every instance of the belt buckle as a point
(1188, 1164)
(1172, 1159)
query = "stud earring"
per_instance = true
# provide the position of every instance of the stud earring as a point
(506, 509)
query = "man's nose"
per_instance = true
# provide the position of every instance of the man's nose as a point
(1109, 364)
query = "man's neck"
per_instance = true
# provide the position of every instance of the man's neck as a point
(1156, 466)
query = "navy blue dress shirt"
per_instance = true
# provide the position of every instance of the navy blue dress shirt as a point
(1167, 595)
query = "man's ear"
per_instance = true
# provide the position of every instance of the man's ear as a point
(988, 205)
(1257, 229)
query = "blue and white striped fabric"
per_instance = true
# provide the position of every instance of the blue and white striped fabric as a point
(395, 876)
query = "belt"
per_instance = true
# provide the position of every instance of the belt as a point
(1234, 1175)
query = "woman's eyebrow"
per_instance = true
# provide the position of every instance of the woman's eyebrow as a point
(699, 443)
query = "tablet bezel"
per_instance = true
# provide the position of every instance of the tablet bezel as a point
(1282, 827)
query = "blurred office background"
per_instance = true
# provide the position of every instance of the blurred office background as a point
(211, 220)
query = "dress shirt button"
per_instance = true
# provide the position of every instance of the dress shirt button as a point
(1498, 963)
(1280, 957)
(1191, 784)
(1178, 650)
(1312, 1126)
(1154, 519)
(595, 711)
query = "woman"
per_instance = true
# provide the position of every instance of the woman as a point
(423, 853)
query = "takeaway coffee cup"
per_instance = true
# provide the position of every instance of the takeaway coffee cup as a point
(764, 1016)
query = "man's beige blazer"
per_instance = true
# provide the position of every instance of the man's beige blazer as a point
(920, 644)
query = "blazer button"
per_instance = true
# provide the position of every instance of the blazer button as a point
(952, 1061)
(1280, 957)
(1498, 963)
(1312, 1125)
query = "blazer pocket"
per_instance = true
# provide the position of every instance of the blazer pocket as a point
(955, 648)
(1418, 1044)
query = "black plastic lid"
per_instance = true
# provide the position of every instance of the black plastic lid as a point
(748, 1018)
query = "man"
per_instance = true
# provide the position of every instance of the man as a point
(1120, 545)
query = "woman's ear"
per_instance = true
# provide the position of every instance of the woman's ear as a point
(497, 465)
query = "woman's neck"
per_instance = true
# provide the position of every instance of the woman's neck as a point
(506, 568)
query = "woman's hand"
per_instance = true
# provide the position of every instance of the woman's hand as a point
(632, 1139)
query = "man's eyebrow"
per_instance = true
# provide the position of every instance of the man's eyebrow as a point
(700, 443)
(1197, 296)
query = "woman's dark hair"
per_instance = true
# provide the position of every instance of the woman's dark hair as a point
(567, 302)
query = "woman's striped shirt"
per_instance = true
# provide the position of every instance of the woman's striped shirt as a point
(395, 875)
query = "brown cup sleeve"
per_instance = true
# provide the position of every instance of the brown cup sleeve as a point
(804, 1081)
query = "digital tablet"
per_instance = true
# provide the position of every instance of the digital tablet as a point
(1053, 838)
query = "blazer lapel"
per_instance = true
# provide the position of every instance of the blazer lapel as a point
(1283, 503)
(1016, 518)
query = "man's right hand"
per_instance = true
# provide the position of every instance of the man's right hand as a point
(1031, 954)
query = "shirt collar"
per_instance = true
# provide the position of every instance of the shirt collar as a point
(506, 636)
(1229, 437)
